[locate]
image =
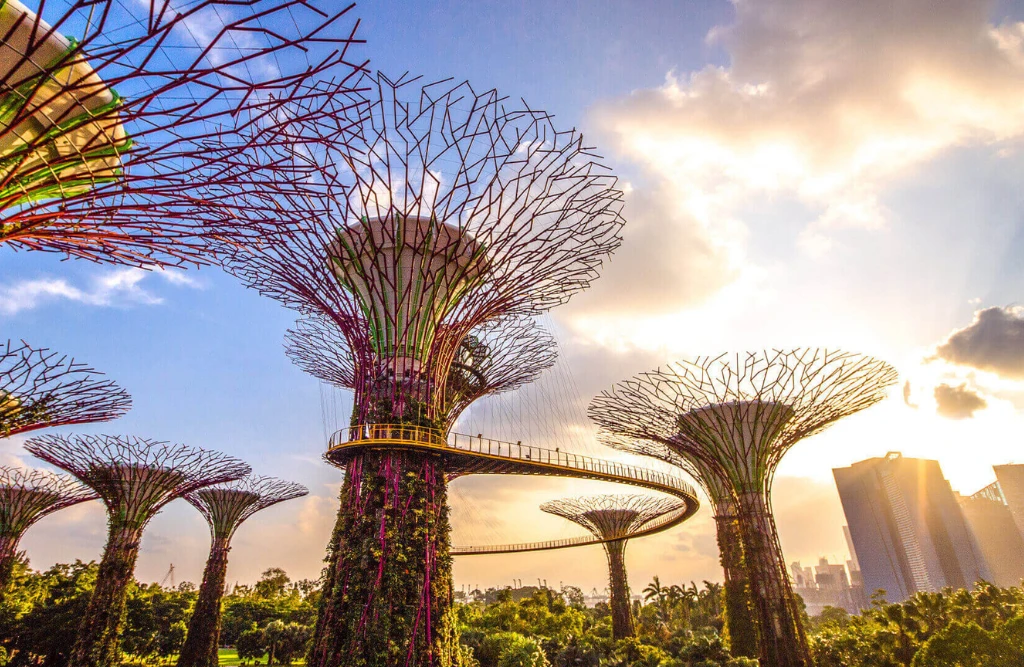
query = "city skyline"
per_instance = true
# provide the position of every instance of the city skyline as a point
(736, 259)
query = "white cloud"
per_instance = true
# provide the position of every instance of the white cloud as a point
(825, 102)
(118, 287)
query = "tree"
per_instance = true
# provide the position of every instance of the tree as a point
(285, 641)
(272, 584)
(523, 652)
(960, 645)
(251, 644)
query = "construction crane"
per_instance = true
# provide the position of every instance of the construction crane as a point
(169, 577)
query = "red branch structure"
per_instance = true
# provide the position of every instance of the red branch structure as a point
(738, 416)
(495, 358)
(614, 518)
(117, 145)
(40, 388)
(225, 506)
(447, 209)
(26, 496)
(135, 478)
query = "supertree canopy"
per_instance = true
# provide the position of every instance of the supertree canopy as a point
(449, 209)
(135, 477)
(225, 507)
(613, 519)
(738, 416)
(41, 388)
(742, 633)
(494, 358)
(26, 496)
(107, 136)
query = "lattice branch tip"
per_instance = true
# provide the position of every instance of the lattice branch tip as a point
(26, 496)
(493, 358)
(41, 388)
(737, 415)
(227, 505)
(135, 477)
(613, 516)
(106, 138)
(449, 209)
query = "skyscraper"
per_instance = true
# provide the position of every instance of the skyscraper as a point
(995, 534)
(908, 531)
(1011, 483)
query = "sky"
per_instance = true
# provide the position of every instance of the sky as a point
(798, 173)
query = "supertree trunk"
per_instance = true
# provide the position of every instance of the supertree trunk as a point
(8, 557)
(97, 644)
(782, 639)
(618, 585)
(738, 619)
(387, 598)
(200, 649)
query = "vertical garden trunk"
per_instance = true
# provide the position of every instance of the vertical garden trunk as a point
(781, 636)
(622, 613)
(387, 601)
(739, 621)
(97, 644)
(8, 557)
(200, 648)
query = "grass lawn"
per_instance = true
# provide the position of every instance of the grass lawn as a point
(229, 658)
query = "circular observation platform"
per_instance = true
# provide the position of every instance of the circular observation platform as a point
(476, 455)
(60, 134)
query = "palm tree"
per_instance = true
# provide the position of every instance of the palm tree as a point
(654, 590)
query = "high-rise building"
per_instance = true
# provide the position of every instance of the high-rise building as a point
(995, 535)
(826, 585)
(908, 531)
(1011, 484)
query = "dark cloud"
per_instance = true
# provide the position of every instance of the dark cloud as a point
(994, 342)
(959, 402)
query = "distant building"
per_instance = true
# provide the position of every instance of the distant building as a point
(852, 566)
(1011, 483)
(826, 586)
(907, 529)
(995, 534)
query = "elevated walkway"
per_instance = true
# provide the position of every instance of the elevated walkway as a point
(477, 455)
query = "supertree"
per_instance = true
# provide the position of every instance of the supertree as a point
(41, 388)
(135, 477)
(449, 210)
(739, 415)
(495, 357)
(742, 633)
(106, 138)
(225, 507)
(26, 496)
(614, 519)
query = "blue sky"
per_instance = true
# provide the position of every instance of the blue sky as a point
(799, 172)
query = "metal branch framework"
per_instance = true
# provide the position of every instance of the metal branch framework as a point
(26, 496)
(41, 388)
(120, 144)
(614, 518)
(494, 358)
(135, 477)
(446, 210)
(225, 506)
(738, 416)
